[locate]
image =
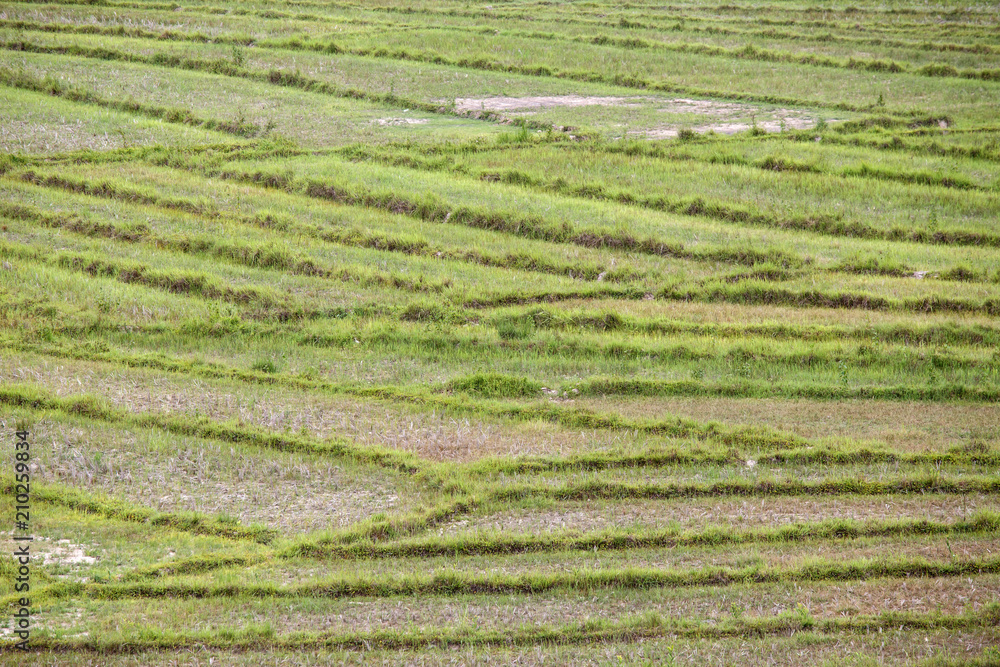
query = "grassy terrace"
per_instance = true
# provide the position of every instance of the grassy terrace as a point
(528, 333)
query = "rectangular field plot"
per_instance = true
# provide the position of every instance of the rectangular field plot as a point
(801, 649)
(242, 107)
(907, 425)
(35, 123)
(493, 613)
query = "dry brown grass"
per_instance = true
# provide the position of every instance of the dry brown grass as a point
(891, 647)
(738, 314)
(431, 435)
(290, 492)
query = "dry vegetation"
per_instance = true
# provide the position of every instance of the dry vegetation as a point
(520, 333)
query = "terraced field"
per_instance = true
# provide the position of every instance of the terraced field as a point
(522, 333)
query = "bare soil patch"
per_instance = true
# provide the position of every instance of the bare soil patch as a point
(731, 117)
(542, 102)
(771, 120)
(61, 552)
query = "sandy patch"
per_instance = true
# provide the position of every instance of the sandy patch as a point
(542, 102)
(52, 553)
(433, 435)
(904, 425)
(63, 552)
(385, 122)
(734, 128)
(733, 117)
(280, 491)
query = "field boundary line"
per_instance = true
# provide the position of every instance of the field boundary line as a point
(454, 583)
(115, 509)
(506, 543)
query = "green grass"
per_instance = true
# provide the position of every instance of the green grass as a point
(525, 333)
(718, 235)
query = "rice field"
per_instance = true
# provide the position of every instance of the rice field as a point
(532, 333)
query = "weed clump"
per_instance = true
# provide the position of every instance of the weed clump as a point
(938, 69)
(424, 311)
(873, 266)
(521, 136)
(515, 327)
(493, 385)
(265, 366)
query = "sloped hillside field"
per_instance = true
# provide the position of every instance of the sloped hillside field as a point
(451, 333)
